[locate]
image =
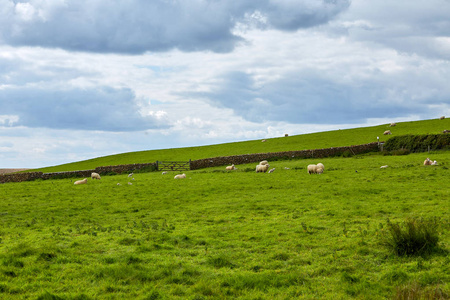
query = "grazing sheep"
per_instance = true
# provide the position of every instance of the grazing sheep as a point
(315, 169)
(442, 118)
(164, 173)
(232, 167)
(271, 170)
(387, 132)
(180, 176)
(286, 135)
(131, 174)
(264, 162)
(392, 124)
(95, 176)
(263, 141)
(84, 181)
(427, 162)
(286, 168)
(384, 167)
(262, 168)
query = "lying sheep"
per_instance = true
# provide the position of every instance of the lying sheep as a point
(95, 176)
(384, 167)
(271, 170)
(392, 124)
(180, 176)
(84, 181)
(232, 167)
(434, 163)
(427, 162)
(164, 173)
(262, 168)
(387, 132)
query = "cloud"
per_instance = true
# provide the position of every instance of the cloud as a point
(102, 108)
(137, 26)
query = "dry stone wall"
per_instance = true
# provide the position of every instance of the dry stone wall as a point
(249, 158)
(195, 164)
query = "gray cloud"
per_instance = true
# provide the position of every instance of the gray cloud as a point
(307, 97)
(103, 109)
(137, 26)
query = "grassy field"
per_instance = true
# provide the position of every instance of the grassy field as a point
(228, 235)
(319, 140)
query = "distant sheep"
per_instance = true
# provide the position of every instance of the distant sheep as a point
(262, 168)
(434, 163)
(130, 175)
(427, 162)
(286, 135)
(392, 124)
(263, 141)
(84, 181)
(384, 167)
(442, 118)
(180, 176)
(271, 170)
(446, 131)
(164, 173)
(315, 169)
(95, 176)
(387, 132)
(232, 167)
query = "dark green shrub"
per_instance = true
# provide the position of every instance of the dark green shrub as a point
(416, 237)
(418, 143)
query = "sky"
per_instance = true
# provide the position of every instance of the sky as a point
(81, 79)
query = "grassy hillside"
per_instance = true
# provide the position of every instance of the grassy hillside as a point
(319, 140)
(229, 235)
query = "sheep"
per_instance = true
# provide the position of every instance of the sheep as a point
(130, 175)
(434, 163)
(427, 162)
(232, 167)
(392, 124)
(315, 169)
(84, 181)
(164, 173)
(387, 132)
(384, 167)
(263, 141)
(264, 162)
(286, 135)
(262, 168)
(446, 131)
(442, 118)
(95, 175)
(180, 176)
(271, 170)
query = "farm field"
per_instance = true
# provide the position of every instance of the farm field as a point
(335, 138)
(228, 234)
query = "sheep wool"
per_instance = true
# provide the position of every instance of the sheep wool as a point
(264, 162)
(230, 167)
(95, 175)
(427, 162)
(180, 176)
(262, 168)
(84, 181)
(387, 132)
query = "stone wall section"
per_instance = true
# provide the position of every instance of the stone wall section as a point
(196, 164)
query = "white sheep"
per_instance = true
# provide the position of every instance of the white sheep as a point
(434, 163)
(387, 132)
(262, 168)
(271, 170)
(392, 124)
(180, 176)
(264, 162)
(315, 169)
(384, 167)
(427, 162)
(164, 173)
(232, 167)
(95, 175)
(442, 118)
(83, 181)
(130, 175)
(263, 141)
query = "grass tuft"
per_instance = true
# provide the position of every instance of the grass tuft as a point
(417, 236)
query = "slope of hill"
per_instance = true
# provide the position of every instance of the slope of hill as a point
(336, 138)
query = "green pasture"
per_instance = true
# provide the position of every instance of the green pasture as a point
(229, 234)
(336, 138)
